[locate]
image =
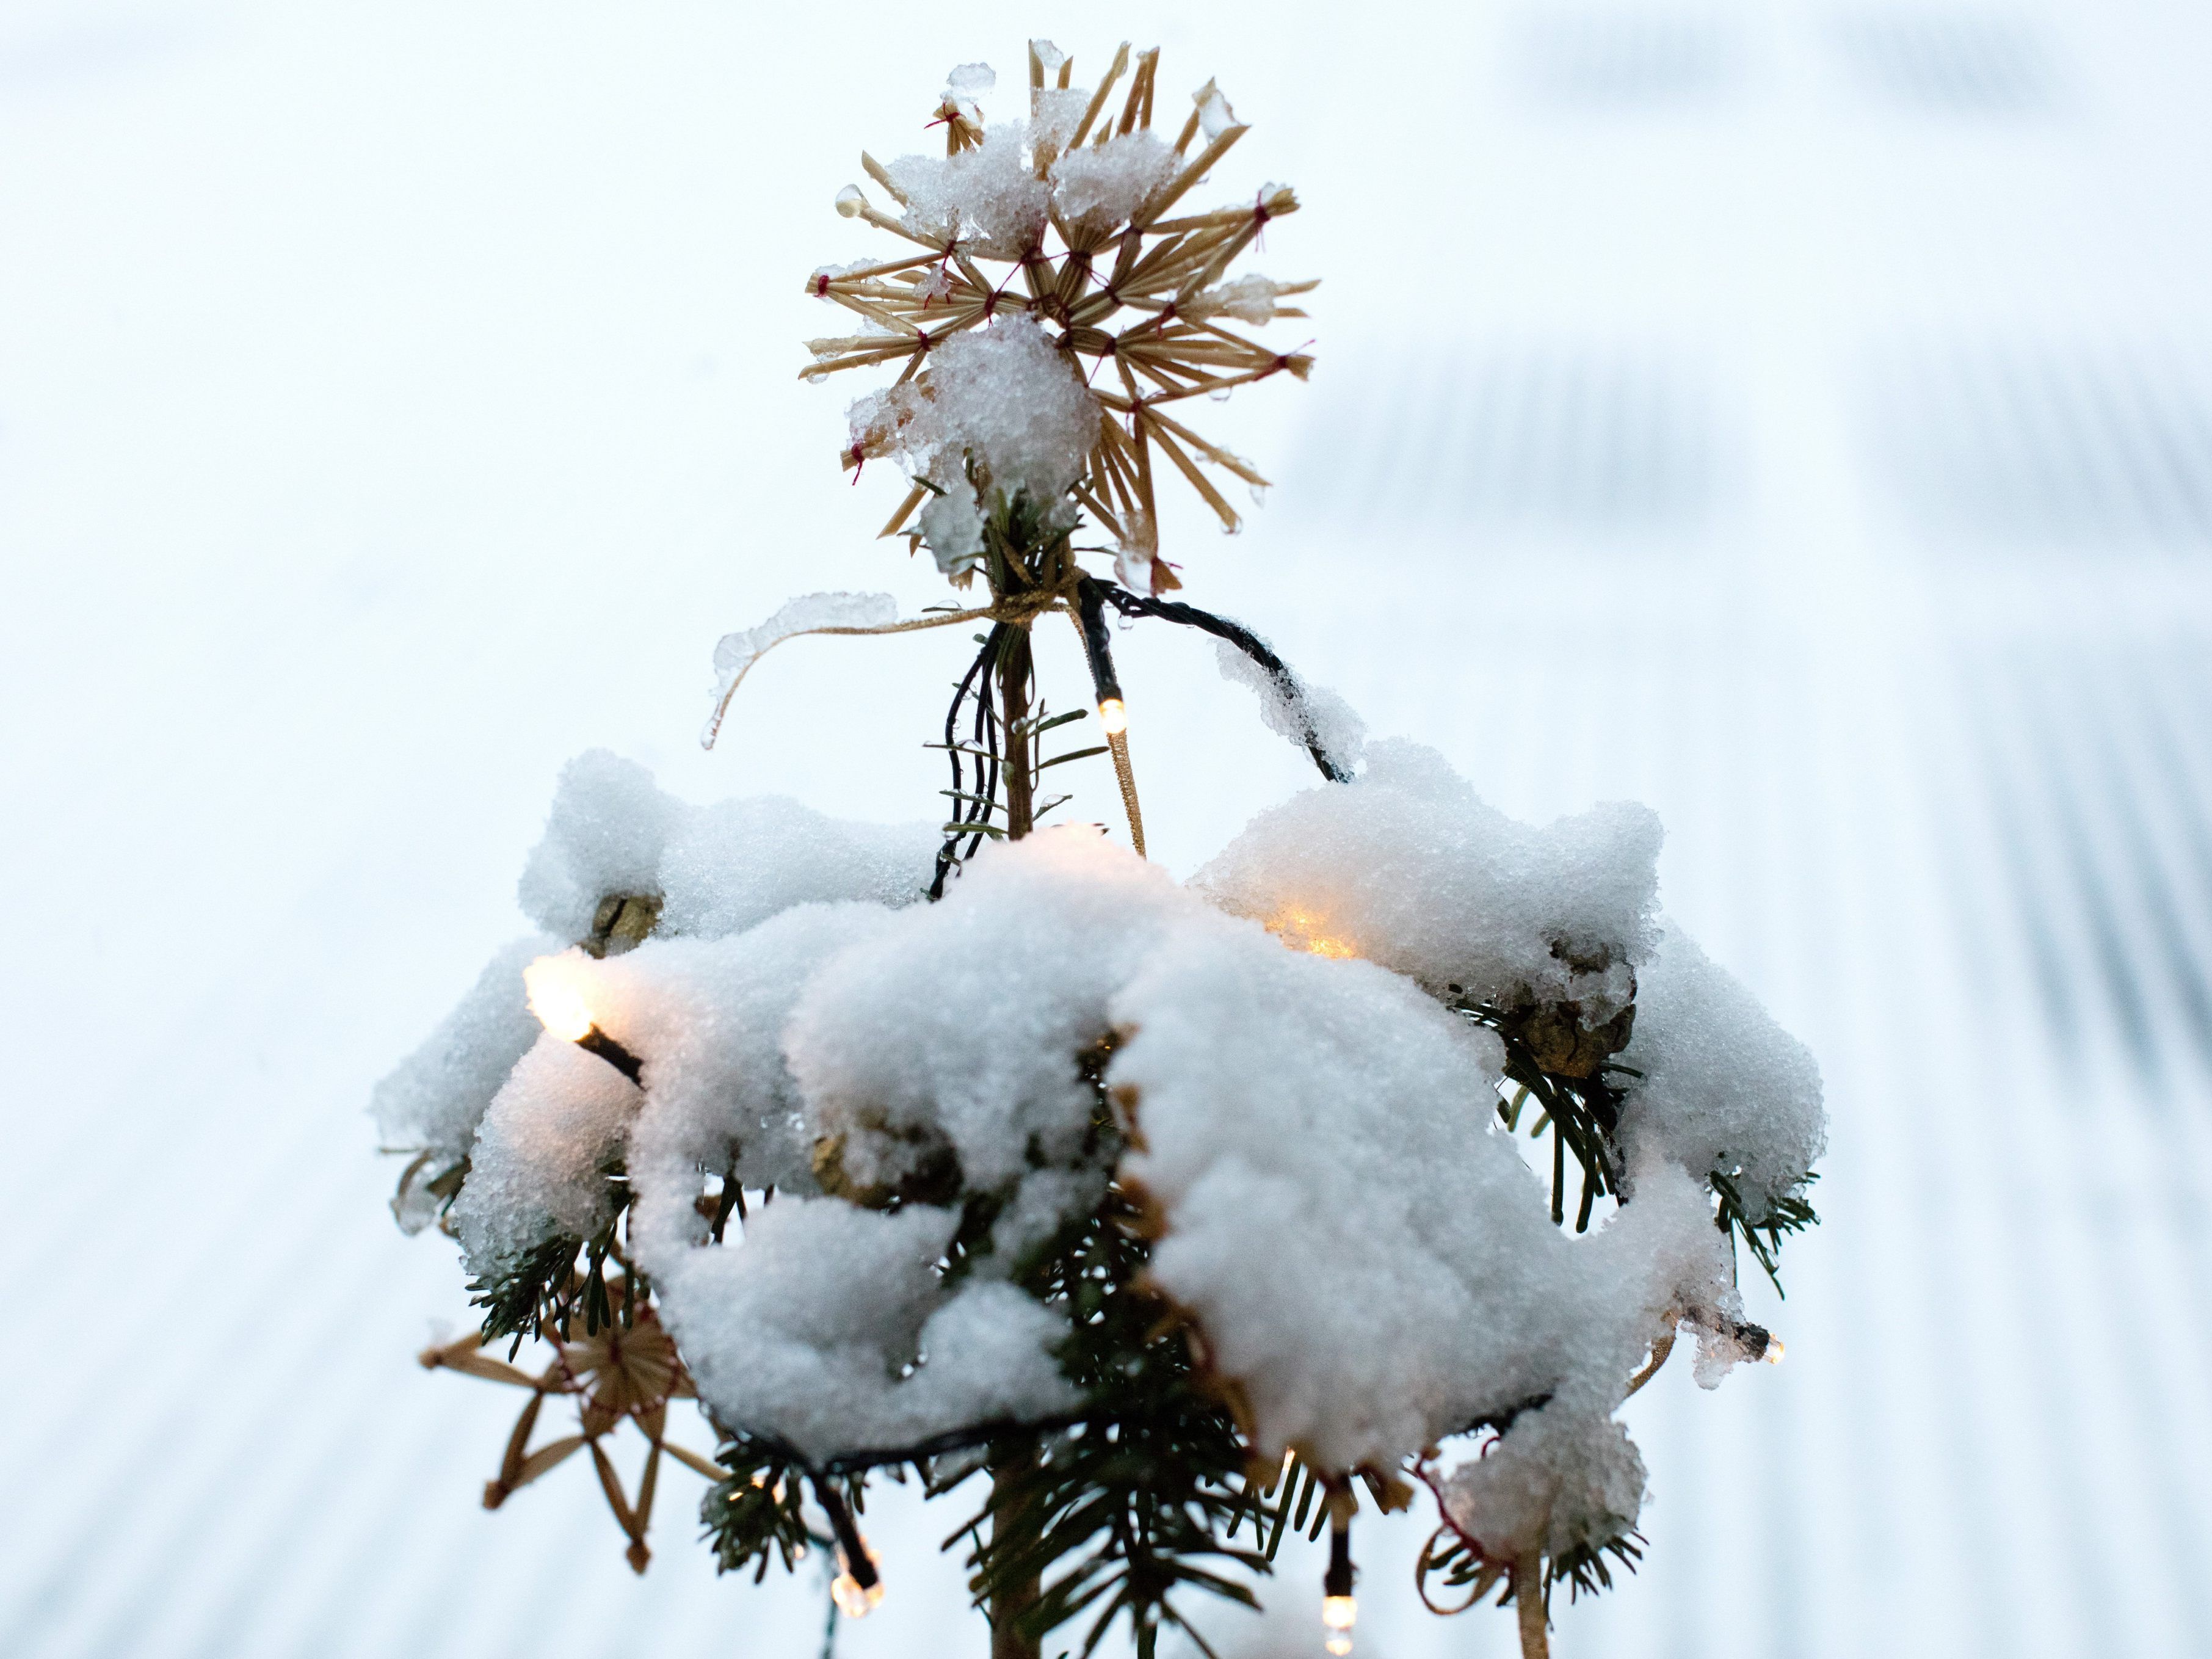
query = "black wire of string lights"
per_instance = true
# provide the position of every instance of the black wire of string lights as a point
(974, 809)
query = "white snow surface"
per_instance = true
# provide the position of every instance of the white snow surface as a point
(434, 1099)
(1099, 186)
(710, 1013)
(1214, 114)
(988, 196)
(1563, 1472)
(965, 1019)
(1320, 1137)
(1058, 111)
(1249, 298)
(605, 835)
(951, 526)
(1559, 1478)
(539, 1165)
(736, 653)
(717, 869)
(1407, 868)
(1723, 1087)
(971, 80)
(1314, 1135)
(1319, 714)
(1002, 399)
(803, 1331)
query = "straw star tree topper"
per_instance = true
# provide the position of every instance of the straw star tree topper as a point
(1148, 1220)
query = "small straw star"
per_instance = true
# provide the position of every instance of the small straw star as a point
(1157, 279)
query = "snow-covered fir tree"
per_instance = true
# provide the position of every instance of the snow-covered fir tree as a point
(1151, 1220)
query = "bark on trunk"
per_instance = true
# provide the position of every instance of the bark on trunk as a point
(1018, 749)
(1529, 1602)
(1018, 1598)
(1017, 745)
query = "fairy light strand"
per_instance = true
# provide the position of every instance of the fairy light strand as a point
(1339, 1610)
(1113, 711)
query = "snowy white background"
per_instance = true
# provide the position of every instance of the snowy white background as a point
(1797, 415)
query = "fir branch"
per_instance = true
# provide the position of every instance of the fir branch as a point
(550, 1285)
(1583, 1569)
(756, 1517)
(517, 1301)
(1115, 1514)
(1790, 1213)
(1460, 1565)
(1580, 1113)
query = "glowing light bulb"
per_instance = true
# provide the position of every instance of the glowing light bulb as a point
(853, 1599)
(1338, 1616)
(557, 999)
(1302, 928)
(1773, 1354)
(1114, 715)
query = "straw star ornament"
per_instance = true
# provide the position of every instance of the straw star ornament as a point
(1055, 235)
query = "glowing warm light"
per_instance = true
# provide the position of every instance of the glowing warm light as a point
(1114, 715)
(1302, 928)
(1773, 1354)
(853, 1600)
(1339, 1613)
(557, 999)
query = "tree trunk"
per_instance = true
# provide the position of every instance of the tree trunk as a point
(1015, 744)
(1012, 1600)
(1529, 1602)
(1009, 1507)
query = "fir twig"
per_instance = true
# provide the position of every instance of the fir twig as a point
(1763, 1235)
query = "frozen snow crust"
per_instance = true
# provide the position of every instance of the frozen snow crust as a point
(1276, 1060)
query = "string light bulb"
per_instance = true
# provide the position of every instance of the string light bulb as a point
(556, 998)
(1303, 929)
(858, 1586)
(1338, 1611)
(1338, 1616)
(853, 1599)
(556, 991)
(1759, 1343)
(1113, 716)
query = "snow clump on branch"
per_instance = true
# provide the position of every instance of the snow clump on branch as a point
(1277, 1059)
(1000, 418)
